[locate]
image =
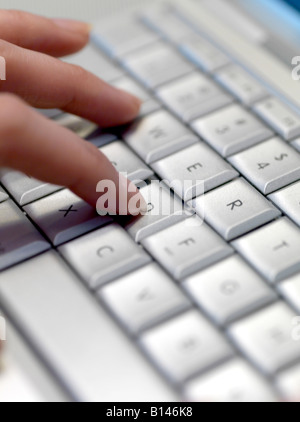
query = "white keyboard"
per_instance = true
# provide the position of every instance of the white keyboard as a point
(211, 305)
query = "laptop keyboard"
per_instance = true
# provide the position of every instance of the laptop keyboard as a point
(210, 304)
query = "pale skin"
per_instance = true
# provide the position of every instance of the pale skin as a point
(29, 142)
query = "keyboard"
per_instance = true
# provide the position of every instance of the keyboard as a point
(208, 297)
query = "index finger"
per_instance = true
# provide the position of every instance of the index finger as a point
(46, 82)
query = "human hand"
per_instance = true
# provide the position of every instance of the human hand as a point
(37, 146)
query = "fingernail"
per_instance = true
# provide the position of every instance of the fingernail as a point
(74, 26)
(137, 102)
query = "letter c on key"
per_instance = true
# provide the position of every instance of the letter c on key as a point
(101, 252)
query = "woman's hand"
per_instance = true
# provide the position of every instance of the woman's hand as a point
(35, 145)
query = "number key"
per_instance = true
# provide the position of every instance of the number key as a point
(270, 166)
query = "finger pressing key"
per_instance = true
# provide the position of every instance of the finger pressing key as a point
(38, 147)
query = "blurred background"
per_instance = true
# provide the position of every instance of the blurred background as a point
(89, 10)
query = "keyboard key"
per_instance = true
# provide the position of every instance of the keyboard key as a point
(102, 139)
(231, 130)
(229, 290)
(193, 96)
(167, 23)
(19, 239)
(126, 161)
(157, 65)
(118, 37)
(149, 104)
(288, 200)
(235, 209)
(164, 210)
(185, 346)
(64, 216)
(288, 383)
(180, 249)
(270, 166)
(203, 53)
(50, 113)
(3, 195)
(104, 255)
(280, 117)
(24, 188)
(273, 250)
(79, 126)
(194, 170)
(241, 84)
(157, 136)
(143, 298)
(234, 382)
(75, 337)
(91, 59)
(290, 290)
(266, 338)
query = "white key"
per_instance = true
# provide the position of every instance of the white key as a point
(231, 130)
(126, 161)
(64, 216)
(235, 209)
(164, 210)
(104, 255)
(229, 290)
(157, 136)
(185, 346)
(273, 250)
(157, 65)
(288, 200)
(3, 195)
(24, 188)
(167, 23)
(288, 383)
(143, 298)
(19, 239)
(91, 59)
(241, 84)
(79, 126)
(270, 166)
(290, 289)
(75, 337)
(266, 338)
(203, 53)
(193, 96)
(234, 382)
(194, 170)
(182, 251)
(282, 119)
(149, 104)
(121, 36)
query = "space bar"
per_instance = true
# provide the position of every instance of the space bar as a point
(75, 337)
